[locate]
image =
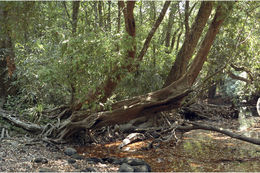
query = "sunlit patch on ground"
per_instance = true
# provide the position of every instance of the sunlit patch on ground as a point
(200, 151)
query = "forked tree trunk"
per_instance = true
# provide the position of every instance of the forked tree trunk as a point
(102, 92)
(145, 105)
(180, 65)
(105, 90)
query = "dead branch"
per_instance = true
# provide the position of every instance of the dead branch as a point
(25, 125)
(223, 131)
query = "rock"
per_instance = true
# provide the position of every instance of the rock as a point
(77, 156)
(119, 161)
(94, 160)
(125, 168)
(137, 164)
(89, 169)
(109, 159)
(46, 170)
(41, 160)
(134, 162)
(71, 161)
(70, 151)
(142, 168)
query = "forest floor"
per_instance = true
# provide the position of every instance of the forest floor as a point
(198, 151)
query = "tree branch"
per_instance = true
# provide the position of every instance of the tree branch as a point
(27, 126)
(66, 10)
(186, 20)
(226, 132)
(153, 30)
(242, 69)
(233, 76)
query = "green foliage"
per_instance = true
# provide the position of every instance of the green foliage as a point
(50, 60)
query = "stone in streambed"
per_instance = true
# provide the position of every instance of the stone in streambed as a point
(125, 168)
(41, 160)
(70, 151)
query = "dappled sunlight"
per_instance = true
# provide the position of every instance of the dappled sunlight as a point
(199, 151)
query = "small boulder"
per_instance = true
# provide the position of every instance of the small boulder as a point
(94, 160)
(89, 169)
(41, 160)
(77, 156)
(70, 151)
(110, 160)
(142, 168)
(134, 162)
(125, 168)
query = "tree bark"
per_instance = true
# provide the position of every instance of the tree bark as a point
(207, 42)
(74, 21)
(118, 18)
(186, 20)
(190, 43)
(169, 26)
(109, 16)
(100, 14)
(75, 13)
(7, 55)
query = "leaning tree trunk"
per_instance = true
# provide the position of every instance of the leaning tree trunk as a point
(145, 105)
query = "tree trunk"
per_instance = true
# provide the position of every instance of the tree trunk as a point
(146, 105)
(102, 92)
(212, 91)
(169, 26)
(7, 55)
(118, 18)
(110, 84)
(190, 43)
(109, 16)
(141, 13)
(74, 22)
(207, 42)
(173, 40)
(186, 20)
(100, 14)
(75, 13)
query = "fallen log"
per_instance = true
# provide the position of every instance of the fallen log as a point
(31, 127)
(221, 130)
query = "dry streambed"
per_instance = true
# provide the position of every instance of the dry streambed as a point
(199, 151)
